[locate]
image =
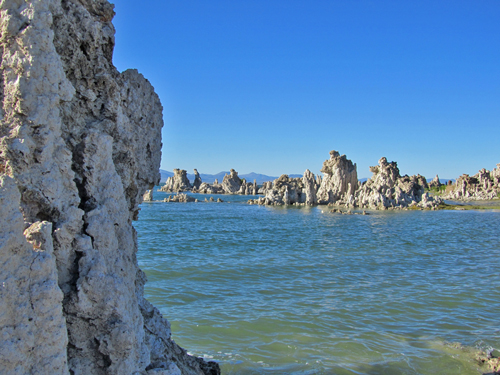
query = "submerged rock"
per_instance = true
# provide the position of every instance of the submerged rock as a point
(79, 145)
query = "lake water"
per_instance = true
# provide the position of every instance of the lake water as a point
(275, 290)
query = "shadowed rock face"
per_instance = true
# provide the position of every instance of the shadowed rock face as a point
(197, 180)
(79, 145)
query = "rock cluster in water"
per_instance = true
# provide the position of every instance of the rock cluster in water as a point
(79, 145)
(339, 186)
(483, 185)
(388, 189)
(231, 184)
(178, 182)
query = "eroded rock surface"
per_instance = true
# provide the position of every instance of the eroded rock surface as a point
(484, 185)
(339, 186)
(178, 182)
(180, 198)
(206, 188)
(340, 179)
(339, 182)
(388, 189)
(435, 183)
(289, 190)
(197, 180)
(79, 145)
(148, 196)
(231, 183)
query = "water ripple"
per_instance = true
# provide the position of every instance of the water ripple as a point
(267, 290)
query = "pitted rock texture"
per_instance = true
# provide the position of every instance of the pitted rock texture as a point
(79, 145)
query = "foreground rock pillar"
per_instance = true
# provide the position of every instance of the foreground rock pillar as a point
(79, 145)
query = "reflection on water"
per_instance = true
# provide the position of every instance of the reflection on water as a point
(301, 291)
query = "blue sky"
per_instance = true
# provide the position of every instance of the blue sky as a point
(271, 86)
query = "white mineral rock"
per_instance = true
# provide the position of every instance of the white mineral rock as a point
(148, 196)
(340, 179)
(231, 184)
(177, 183)
(484, 185)
(387, 189)
(79, 145)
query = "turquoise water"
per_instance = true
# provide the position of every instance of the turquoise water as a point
(273, 290)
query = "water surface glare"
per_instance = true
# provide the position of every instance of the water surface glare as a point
(273, 290)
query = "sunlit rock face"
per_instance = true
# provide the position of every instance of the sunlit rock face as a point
(177, 183)
(388, 189)
(340, 179)
(483, 185)
(79, 145)
(231, 183)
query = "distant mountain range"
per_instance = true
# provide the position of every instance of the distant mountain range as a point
(261, 178)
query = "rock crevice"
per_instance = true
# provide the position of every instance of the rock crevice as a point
(80, 144)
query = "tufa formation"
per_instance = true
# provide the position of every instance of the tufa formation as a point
(79, 145)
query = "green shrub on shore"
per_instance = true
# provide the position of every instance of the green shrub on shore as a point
(437, 190)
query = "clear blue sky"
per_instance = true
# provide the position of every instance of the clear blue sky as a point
(271, 86)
